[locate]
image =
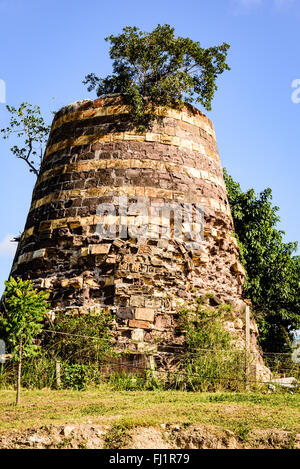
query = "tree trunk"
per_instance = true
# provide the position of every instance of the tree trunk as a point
(19, 374)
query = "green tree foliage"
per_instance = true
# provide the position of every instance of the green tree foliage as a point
(167, 70)
(27, 123)
(273, 272)
(23, 310)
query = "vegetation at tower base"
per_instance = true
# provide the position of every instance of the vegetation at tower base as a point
(23, 310)
(159, 69)
(209, 360)
(273, 272)
(27, 123)
(85, 339)
(213, 359)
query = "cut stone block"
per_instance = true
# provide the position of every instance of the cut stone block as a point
(137, 335)
(76, 282)
(145, 314)
(140, 324)
(95, 249)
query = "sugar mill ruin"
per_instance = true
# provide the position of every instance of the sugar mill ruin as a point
(96, 158)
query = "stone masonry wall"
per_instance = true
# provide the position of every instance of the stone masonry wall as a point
(94, 155)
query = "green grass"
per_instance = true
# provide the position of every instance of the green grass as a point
(103, 405)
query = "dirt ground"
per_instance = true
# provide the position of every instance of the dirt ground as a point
(89, 436)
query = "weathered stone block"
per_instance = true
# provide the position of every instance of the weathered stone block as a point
(238, 323)
(125, 312)
(96, 249)
(152, 302)
(145, 314)
(44, 226)
(91, 282)
(253, 327)
(137, 300)
(146, 348)
(140, 324)
(84, 252)
(40, 253)
(200, 257)
(76, 282)
(111, 259)
(163, 322)
(238, 268)
(137, 335)
(48, 282)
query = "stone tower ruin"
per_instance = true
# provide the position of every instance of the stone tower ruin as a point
(96, 158)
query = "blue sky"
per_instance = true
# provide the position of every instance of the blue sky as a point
(47, 47)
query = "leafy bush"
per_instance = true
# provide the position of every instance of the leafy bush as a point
(204, 326)
(76, 376)
(211, 362)
(82, 339)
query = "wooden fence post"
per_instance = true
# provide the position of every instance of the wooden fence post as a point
(57, 374)
(247, 344)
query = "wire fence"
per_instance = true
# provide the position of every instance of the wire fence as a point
(97, 361)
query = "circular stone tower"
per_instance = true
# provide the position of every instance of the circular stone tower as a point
(84, 237)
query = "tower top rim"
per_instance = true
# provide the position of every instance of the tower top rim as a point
(116, 99)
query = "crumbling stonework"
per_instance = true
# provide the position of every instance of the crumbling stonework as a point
(94, 155)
